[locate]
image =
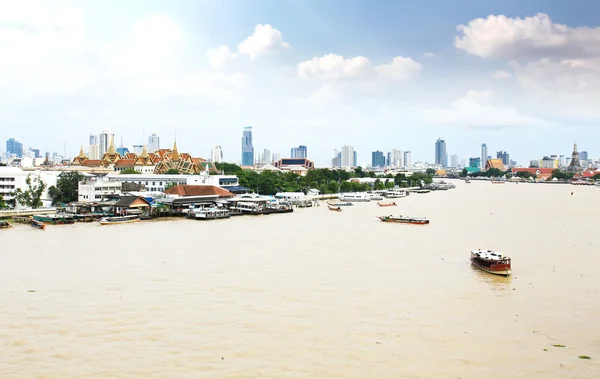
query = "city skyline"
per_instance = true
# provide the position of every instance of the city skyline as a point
(205, 69)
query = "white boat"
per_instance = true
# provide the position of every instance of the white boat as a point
(355, 196)
(490, 261)
(375, 196)
(395, 193)
(211, 213)
(119, 220)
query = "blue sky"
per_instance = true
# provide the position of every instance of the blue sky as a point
(521, 76)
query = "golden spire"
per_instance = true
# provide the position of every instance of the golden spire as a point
(81, 153)
(144, 153)
(174, 153)
(111, 148)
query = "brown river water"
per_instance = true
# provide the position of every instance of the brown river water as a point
(313, 294)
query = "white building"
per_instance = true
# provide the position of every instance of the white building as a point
(347, 156)
(95, 189)
(454, 159)
(397, 158)
(153, 143)
(137, 149)
(158, 182)
(12, 178)
(407, 159)
(216, 154)
(104, 142)
(94, 150)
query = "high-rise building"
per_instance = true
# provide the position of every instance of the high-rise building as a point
(216, 154)
(397, 158)
(94, 149)
(355, 159)
(36, 153)
(377, 159)
(14, 147)
(504, 156)
(407, 159)
(137, 149)
(347, 156)
(299, 152)
(562, 162)
(153, 143)
(441, 157)
(484, 155)
(454, 160)
(104, 142)
(265, 157)
(275, 157)
(336, 161)
(247, 147)
(583, 155)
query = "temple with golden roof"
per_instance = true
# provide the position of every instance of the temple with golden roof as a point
(159, 162)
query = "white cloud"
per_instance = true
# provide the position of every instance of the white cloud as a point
(501, 74)
(429, 55)
(264, 40)
(336, 67)
(529, 37)
(220, 56)
(476, 109)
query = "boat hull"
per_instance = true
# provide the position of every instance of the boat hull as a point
(335, 209)
(502, 271)
(408, 222)
(387, 204)
(115, 222)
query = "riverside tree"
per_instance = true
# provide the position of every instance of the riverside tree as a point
(66, 189)
(32, 196)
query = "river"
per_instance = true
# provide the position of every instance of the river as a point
(313, 294)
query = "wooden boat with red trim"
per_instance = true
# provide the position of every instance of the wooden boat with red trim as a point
(335, 209)
(405, 219)
(392, 204)
(491, 261)
(38, 224)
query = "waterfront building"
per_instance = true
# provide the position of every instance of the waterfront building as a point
(377, 159)
(247, 147)
(97, 188)
(181, 196)
(540, 173)
(13, 178)
(94, 148)
(484, 155)
(495, 163)
(158, 182)
(297, 166)
(153, 143)
(299, 152)
(441, 157)
(216, 154)
(14, 147)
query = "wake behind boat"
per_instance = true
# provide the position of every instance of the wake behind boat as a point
(119, 220)
(491, 261)
(405, 219)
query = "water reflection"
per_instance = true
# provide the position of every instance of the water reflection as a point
(496, 282)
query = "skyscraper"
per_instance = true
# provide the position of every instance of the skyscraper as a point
(377, 159)
(94, 149)
(104, 142)
(484, 155)
(441, 157)
(265, 157)
(407, 159)
(347, 158)
(216, 154)
(153, 143)
(355, 159)
(505, 157)
(14, 147)
(397, 158)
(299, 152)
(247, 147)
(454, 160)
(583, 156)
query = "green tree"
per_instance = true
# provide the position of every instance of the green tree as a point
(390, 184)
(463, 173)
(562, 175)
(2, 203)
(130, 171)
(333, 187)
(32, 196)
(494, 173)
(525, 174)
(66, 189)
(596, 177)
(170, 184)
(172, 171)
(430, 171)
(228, 168)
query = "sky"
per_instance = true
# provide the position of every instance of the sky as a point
(521, 76)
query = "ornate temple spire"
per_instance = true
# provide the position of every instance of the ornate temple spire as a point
(144, 153)
(111, 148)
(81, 153)
(574, 165)
(174, 153)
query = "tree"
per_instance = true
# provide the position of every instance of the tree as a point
(2, 203)
(66, 189)
(562, 175)
(172, 171)
(32, 196)
(494, 173)
(524, 174)
(463, 173)
(333, 187)
(170, 184)
(130, 171)
(596, 177)
(430, 171)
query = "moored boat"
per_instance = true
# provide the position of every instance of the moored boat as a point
(55, 219)
(344, 204)
(211, 213)
(5, 225)
(491, 261)
(405, 219)
(335, 209)
(467, 181)
(388, 204)
(119, 220)
(38, 224)
(22, 219)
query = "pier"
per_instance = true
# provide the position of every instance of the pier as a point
(26, 212)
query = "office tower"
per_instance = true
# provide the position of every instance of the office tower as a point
(247, 147)
(407, 159)
(299, 152)
(347, 156)
(36, 153)
(94, 149)
(216, 154)
(441, 158)
(337, 159)
(14, 147)
(388, 161)
(397, 158)
(104, 142)
(153, 143)
(505, 157)
(377, 159)
(562, 162)
(275, 157)
(454, 160)
(583, 156)
(355, 160)
(137, 149)
(265, 157)
(484, 155)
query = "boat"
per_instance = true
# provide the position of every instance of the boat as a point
(38, 224)
(345, 204)
(405, 219)
(211, 213)
(420, 191)
(388, 204)
(375, 196)
(22, 219)
(335, 209)
(5, 225)
(355, 196)
(55, 219)
(119, 220)
(467, 181)
(491, 261)
(498, 181)
(396, 193)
